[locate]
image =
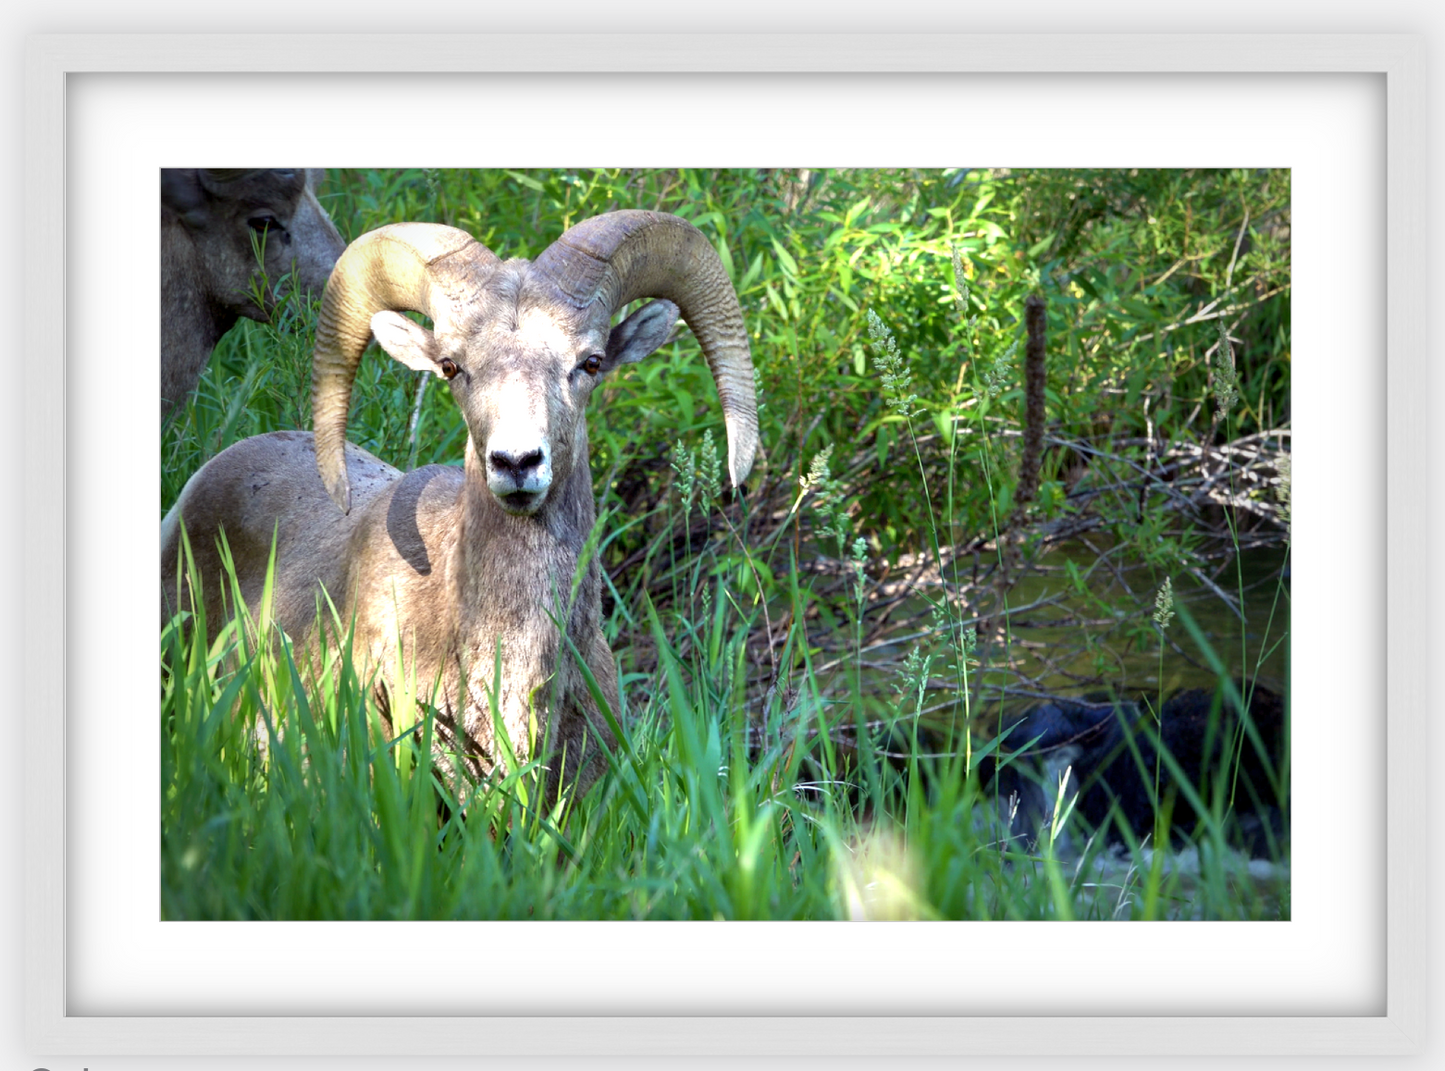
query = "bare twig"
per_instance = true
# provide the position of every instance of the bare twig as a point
(1035, 384)
(422, 378)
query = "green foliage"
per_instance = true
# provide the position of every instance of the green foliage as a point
(824, 647)
(1136, 267)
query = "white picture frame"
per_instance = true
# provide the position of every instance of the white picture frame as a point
(50, 1027)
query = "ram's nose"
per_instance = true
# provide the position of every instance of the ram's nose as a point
(522, 468)
(519, 476)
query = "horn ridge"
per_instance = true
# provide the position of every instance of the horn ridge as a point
(617, 257)
(416, 267)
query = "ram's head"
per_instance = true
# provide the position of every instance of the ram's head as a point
(231, 214)
(523, 344)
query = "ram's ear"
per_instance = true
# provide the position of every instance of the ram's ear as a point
(641, 333)
(406, 341)
(181, 193)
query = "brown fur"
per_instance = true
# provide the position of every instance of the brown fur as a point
(420, 588)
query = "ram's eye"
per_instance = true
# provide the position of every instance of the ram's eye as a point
(593, 364)
(449, 367)
(259, 224)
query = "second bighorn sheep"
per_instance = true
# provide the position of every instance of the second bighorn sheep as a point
(209, 220)
(442, 567)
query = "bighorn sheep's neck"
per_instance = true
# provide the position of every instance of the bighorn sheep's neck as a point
(502, 557)
(514, 577)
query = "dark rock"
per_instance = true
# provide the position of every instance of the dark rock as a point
(1111, 746)
(1216, 754)
(1038, 745)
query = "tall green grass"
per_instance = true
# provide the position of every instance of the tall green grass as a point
(283, 798)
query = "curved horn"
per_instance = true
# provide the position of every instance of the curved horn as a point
(621, 256)
(413, 267)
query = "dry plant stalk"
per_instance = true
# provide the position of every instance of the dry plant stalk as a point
(1035, 382)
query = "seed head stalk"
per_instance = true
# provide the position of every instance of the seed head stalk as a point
(987, 383)
(1163, 614)
(1226, 394)
(897, 381)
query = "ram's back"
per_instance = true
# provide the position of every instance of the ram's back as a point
(267, 488)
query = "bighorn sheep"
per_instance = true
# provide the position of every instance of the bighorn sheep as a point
(209, 218)
(454, 563)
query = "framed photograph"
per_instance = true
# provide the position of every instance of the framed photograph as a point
(106, 974)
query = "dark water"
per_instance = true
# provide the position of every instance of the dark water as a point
(1078, 642)
(1047, 638)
